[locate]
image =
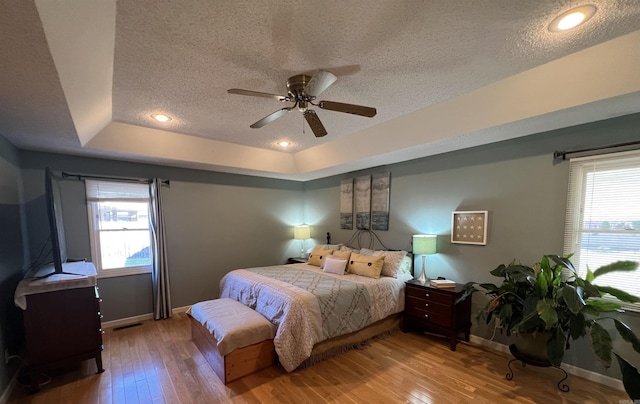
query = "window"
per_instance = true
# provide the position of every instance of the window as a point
(603, 217)
(119, 227)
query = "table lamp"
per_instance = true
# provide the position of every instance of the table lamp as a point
(302, 233)
(424, 244)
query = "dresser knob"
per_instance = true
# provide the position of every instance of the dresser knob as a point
(426, 294)
(426, 304)
(426, 315)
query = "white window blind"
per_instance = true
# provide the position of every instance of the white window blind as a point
(603, 217)
(119, 224)
(110, 190)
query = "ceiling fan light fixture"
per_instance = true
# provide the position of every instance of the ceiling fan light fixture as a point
(572, 18)
(283, 143)
(161, 117)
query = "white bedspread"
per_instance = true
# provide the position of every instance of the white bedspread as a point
(296, 312)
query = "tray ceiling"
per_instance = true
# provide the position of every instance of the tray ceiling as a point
(84, 77)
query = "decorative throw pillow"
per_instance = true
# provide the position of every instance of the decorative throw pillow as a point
(392, 261)
(317, 256)
(342, 254)
(334, 265)
(364, 265)
(367, 252)
(406, 266)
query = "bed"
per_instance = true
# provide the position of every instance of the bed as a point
(320, 311)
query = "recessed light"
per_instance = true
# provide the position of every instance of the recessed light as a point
(572, 18)
(161, 117)
(283, 143)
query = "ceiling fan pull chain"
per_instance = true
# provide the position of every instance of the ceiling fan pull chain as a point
(303, 132)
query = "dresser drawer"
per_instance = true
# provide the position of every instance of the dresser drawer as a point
(429, 295)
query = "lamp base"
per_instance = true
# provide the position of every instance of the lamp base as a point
(422, 278)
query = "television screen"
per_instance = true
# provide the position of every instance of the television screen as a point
(54, 212)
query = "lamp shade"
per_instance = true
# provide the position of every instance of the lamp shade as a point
(302, 232)
(424, 244)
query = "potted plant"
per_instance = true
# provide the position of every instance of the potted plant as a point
(552, 298)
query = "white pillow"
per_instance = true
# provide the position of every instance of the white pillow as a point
(334, 265)
(392, 262)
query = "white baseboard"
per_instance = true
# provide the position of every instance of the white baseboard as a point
(137, 319)
(574, 370)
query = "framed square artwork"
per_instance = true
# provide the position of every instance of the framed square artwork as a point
(469, 227)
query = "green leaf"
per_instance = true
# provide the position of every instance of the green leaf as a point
(590, 310)
(627, 334)
(489, 287)
(520, 273)
(603, 305)
(577, 326)
(601, 343)
(499, 271)
(630, 378)
(590, 275)
(530, 322)
(572, 298)
(564, 262)
(619, 294)
(544, 263)
(616, 266)
(589, 289)
(541, 286)
(547, 313)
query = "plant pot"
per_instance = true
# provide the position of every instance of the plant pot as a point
(533, 345)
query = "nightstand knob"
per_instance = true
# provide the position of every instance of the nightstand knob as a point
(426, 315)
(426, 294)
(426, 304)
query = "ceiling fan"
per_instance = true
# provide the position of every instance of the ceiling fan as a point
(302, 90)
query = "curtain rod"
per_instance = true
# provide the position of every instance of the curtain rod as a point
(562, 155)
(80, 177)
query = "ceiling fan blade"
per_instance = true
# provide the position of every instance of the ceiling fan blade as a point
(314, 123)
(256, 94)
(348, 108)
(319, 82)
(270, 118)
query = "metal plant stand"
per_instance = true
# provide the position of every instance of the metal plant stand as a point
(535, 362)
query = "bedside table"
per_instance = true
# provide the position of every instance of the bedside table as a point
(297, 260)
(434, 310)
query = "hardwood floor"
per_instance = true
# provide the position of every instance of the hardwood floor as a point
(157, 363)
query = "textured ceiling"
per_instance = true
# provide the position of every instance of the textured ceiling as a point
(84, 76)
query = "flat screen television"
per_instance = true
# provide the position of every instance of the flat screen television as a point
(56, 226)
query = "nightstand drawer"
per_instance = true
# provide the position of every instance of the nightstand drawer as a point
(433, 313)
(429, 294)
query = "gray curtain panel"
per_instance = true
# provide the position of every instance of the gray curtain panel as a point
(160, 272)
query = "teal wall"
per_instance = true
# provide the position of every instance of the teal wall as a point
(515, 180)
(12, 257)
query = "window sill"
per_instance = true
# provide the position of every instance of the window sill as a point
(118, 272)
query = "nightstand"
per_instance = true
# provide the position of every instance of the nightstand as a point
(434, 310)
(297, 260)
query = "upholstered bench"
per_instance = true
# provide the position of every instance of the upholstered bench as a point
(234, 339)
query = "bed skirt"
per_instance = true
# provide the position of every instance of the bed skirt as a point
(356, 340)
